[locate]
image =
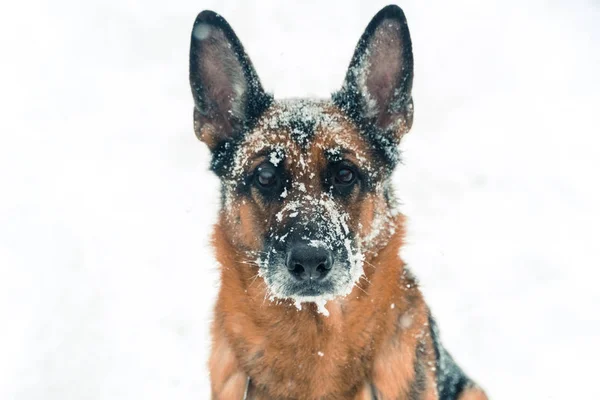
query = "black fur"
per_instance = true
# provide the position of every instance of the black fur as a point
(350, 100)
(302, 129)
(257, 100)
(222, 156)
(419, 383)
(451, 380)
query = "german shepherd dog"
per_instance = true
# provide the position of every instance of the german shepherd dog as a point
(315, 302)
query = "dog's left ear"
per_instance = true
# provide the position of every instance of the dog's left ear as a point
(228, 95)
(378, 84)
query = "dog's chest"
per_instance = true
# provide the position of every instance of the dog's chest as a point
(320, 356)
(366, 392)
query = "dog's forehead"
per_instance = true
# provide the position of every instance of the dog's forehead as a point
(303, 133)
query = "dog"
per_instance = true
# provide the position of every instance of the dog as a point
(315, 301)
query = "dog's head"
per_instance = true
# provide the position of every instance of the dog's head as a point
(305, 183)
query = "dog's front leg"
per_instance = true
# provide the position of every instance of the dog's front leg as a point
(227, 380)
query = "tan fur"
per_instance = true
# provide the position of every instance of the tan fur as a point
(473, 394)
(308, 214)
(363, 339)
(371, 336)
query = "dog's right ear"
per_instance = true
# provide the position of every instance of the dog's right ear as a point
(228, 95)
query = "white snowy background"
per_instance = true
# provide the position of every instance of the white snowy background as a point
(106, 203)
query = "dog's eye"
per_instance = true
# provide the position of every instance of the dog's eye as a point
(266, 176)
(345, 176)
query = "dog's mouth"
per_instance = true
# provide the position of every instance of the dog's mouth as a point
(311, 289)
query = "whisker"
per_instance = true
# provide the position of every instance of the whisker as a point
(253, 280)
(363, 290)
(256, 254)
(369, 264)
(265, 298)
(246, 262)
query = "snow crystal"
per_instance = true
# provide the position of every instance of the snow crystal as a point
(202, 31)
(361, 73)
(405, 321)
(282, 135)
(321, 307)
(275, 158)
(317, 243)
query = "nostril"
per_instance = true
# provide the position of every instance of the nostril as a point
(321, 268)
(298, 269)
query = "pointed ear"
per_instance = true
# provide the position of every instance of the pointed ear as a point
(377, 89)
(227, 93)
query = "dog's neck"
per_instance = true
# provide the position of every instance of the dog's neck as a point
(287, 351)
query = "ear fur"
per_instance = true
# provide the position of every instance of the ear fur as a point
(227, 93)
(376, 92)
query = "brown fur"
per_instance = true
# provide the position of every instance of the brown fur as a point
(473, 394)
(249, 218)
(363, 340)
(286, 168)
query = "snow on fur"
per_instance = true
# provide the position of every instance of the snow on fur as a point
(275, 134)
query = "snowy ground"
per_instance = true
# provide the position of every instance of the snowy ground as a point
(106, 278)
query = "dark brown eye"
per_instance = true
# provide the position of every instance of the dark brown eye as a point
(345, 176)
(266, 176)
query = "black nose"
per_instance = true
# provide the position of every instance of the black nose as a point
(308, 262)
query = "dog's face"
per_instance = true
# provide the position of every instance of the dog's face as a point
(305, 183)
